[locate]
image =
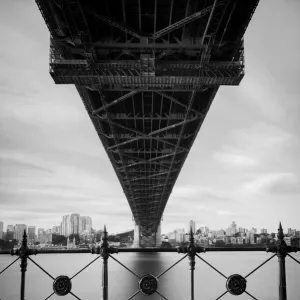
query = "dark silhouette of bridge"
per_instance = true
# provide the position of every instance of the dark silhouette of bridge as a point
(147, 72)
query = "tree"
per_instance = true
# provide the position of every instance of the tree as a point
(59, 239)
(220, 243)
(77, 238)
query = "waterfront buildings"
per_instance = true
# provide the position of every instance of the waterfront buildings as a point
(75, 224)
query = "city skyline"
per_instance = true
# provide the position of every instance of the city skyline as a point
(192, 223)
(244, 163)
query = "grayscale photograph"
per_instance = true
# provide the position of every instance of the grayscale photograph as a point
(150, 149)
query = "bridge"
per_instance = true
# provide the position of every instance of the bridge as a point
(147, 73)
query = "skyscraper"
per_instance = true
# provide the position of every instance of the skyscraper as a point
(1, 230)
(66, 225)
(19, 231)
(31, 234)
(86, 223)
(75, 223)
(40, 232)
(10, 233)
(192, 224)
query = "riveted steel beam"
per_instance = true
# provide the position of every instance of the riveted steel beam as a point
(118, 25)
(118, 100)
(182, 22)
(191, 100)
(179, 103)
(142, 135)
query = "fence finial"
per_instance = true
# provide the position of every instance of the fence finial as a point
(280, 234)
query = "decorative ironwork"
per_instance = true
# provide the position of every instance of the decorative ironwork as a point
(148, 284)
(236, 284)
(62, 285)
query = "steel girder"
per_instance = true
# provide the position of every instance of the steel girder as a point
(147, 74)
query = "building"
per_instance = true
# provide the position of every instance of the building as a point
(71, 245)
(240, 240)
(288, 240)
(66, 225)
(220, 233)
(232, 240)
(56, 230)
(86, 223)
(242, 230)
(179, 237)
(46, 238)
(31, 234)
(1, 231)
(10, 233)
(19, 231)
(75, 220)
(263, 231)
(192, 224)
(227, 240)
(40, 232)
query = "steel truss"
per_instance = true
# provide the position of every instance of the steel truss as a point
(147, 75)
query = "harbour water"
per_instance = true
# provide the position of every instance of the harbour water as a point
(175, 284)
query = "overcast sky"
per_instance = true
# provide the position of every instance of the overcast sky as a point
(244, 165)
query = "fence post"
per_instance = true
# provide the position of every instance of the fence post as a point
(105, 254)
(281, 254)
(191, 253)
(281, 249)
(23, 254)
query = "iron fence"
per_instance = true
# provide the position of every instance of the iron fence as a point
(148, 284)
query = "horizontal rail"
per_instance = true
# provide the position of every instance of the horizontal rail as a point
(150, 250)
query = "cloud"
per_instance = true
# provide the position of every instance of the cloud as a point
(17, 166)
(225, 213)
(259, 145)
(233, 156)
(274, 183)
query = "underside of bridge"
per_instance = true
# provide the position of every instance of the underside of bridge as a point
(147, 72)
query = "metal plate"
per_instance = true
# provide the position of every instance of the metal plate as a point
(236, 284)
(148, 284)
(62, 285)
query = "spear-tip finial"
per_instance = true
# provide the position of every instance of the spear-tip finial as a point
(280, 232)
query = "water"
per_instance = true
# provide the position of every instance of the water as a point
(175, 284)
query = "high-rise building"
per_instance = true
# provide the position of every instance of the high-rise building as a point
(40, 232)
(192, 224)
(86, 223)
(10, 232)
(263, 230)
(66, 225)
(80, 227)
(19, 231)
(56, 230)
(1, 230)
(31, 234)
(75, 223)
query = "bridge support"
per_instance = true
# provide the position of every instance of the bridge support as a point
(136, 236)
(146, 241)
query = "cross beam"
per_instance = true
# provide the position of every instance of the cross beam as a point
(118, 25)
(118, 100)
(182, 22)
(178, 102)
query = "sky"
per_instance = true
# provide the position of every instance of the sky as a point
(244, 165)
